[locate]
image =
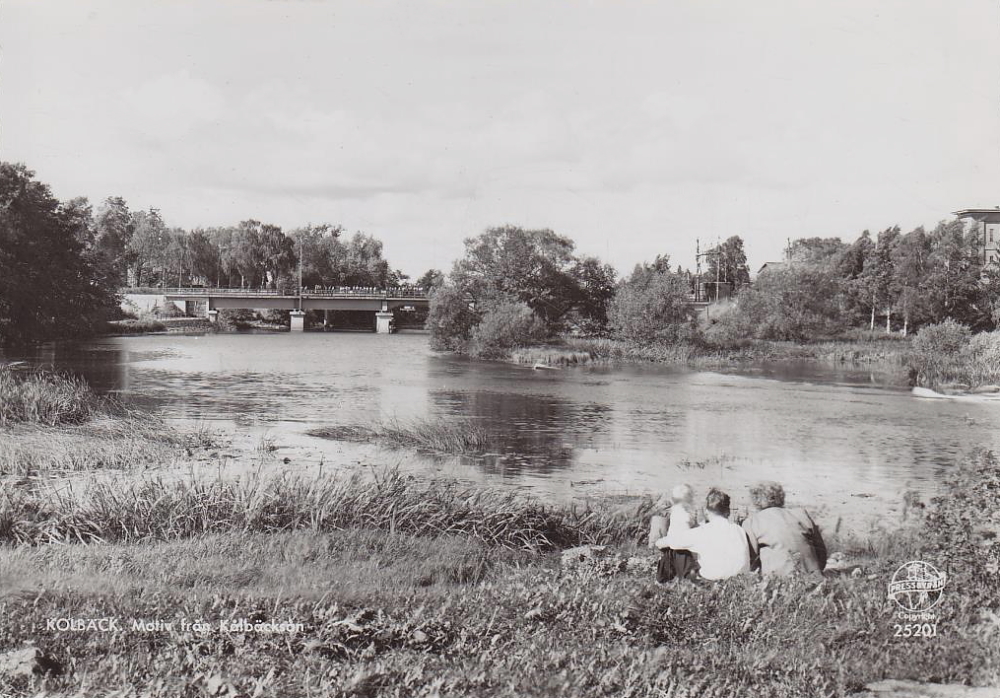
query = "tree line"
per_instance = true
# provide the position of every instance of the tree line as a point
(62, 263)
(894, 281)
(251, 254)
(526, 286)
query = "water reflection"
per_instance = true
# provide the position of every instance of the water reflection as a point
(540, 432)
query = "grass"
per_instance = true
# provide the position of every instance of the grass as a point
(947, 356)
(550, 356)
(437, 436)
(53, 423)
(133, 509)
(863, 351)
(426, 612)
(48, 399)
(136, 326)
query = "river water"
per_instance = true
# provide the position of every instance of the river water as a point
(845, 442)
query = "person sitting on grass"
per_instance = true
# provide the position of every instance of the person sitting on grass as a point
(782, 541)
(674, 563)
(719, 546)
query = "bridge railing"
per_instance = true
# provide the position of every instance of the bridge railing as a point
(414, 292)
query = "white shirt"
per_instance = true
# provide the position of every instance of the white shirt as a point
(720, 547)
(681, 521)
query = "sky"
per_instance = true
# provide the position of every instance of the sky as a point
(634, 128)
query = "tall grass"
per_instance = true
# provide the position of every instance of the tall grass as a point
(132, 509)
(948, 354)
(438, 436)
(37, 397)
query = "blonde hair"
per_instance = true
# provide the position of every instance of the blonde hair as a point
(682, 494)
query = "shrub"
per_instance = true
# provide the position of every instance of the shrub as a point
(939, 353)
(652, 306)
(506, 325)
(796, 304)
(984, 359)
(275, 316)
(240, 319)
(450, 319)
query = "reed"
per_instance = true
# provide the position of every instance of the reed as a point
(38, 397)
(435, 436)
(142, 509)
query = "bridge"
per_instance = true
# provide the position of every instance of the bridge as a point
(380, 301)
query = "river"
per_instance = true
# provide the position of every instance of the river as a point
(845, 442)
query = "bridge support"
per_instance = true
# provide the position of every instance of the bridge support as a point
(383, 322)
(298, 320)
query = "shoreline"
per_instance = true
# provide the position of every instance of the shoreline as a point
(569, 351)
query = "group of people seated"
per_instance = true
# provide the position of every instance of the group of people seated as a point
(772, 540)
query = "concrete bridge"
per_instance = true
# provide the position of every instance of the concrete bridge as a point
(380, 301)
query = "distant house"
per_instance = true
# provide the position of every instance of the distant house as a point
(986, 223)
(771, 266)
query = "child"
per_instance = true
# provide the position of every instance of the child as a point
(675, 563)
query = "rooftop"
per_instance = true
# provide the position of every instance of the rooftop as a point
(980, 214)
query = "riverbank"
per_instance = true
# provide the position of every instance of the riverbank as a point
(132, 326)
(570, 351)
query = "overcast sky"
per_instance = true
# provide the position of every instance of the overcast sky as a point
(632, 127)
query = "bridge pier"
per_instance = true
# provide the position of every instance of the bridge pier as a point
(298, 320)
(383, 322)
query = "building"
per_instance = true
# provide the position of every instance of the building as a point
(986, 223)
(771, 266)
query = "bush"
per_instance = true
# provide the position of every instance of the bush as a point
(796, 304)
(505, 326)
(450, 319)
(939, 353)
(652, 306)
(275, 316)
(240, 319)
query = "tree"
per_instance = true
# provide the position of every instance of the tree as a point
(204, 257)
(728, 263)
(954, 284)
(504, 326)
(822, 251)
(911, 264)
(597, 283)
(652, 305)
(114, 226)
(431, 279)
(532, 266)
(876, 278)
(50, 285)
(147, 245)
(365, 265)
(450, 320)
(798, 303)
(177, 255)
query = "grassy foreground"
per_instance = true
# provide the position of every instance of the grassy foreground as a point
(423, 590)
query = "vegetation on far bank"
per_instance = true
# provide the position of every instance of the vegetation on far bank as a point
(524, 295)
